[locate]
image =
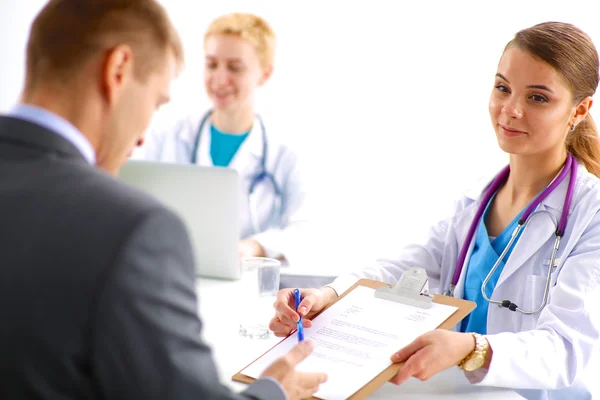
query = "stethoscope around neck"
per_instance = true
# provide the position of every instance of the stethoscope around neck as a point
(570, 166)
(262, 175)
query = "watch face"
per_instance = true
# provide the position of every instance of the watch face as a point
(474, 363)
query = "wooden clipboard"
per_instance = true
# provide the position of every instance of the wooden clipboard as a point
(464, 308)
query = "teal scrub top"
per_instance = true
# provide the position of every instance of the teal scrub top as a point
(486, 252)
(223, 146)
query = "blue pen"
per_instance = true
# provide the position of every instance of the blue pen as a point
(299, 323)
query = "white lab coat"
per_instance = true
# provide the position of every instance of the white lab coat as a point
(282, 223)
(551, 355)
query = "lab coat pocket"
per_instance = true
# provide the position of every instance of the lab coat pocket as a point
(532, 299)
(554, 273)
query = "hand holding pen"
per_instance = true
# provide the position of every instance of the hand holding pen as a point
(299, 326)
(288, 312)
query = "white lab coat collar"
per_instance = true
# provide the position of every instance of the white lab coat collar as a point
(250, 149)
(189, 127)
(527, 245)
(462, 221)
(555, 200)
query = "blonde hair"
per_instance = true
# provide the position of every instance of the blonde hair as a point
(67, 33)
(249, 27)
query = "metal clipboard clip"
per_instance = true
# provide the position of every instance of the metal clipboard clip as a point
(412, 289)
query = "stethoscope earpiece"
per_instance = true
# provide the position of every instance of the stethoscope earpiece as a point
(508, 304)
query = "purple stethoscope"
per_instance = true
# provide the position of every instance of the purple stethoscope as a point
(570, 165)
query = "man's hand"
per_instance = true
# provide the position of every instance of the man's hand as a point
(297, 385)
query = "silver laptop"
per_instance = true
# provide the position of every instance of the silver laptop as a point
(207, 199)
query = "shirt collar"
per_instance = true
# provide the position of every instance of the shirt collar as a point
(57, 124)
(554, 200)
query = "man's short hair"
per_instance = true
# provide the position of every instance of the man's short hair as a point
(66, 34)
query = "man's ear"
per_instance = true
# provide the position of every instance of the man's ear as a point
(117, 71)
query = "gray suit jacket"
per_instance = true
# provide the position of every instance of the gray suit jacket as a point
(97, 297)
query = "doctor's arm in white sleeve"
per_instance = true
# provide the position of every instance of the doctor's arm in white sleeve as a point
(428, 254)
(566, 338)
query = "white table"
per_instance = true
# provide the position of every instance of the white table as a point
(232, 352)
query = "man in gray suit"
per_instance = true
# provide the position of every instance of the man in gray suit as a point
(97, 293)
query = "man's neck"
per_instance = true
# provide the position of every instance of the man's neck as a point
(60, 104)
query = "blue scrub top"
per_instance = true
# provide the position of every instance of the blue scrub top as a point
(223, 146)
(486, 252)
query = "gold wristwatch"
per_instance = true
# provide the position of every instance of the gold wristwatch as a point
(476, 358)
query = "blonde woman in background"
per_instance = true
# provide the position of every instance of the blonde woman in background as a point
(239, 53)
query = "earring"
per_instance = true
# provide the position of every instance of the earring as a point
(572, 127)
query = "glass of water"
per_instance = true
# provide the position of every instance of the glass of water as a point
(259, 285)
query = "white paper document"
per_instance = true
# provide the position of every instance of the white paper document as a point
(355, 338)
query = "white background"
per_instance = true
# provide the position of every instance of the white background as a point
(385, 101)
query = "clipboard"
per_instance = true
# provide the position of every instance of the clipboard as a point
(410, 289)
